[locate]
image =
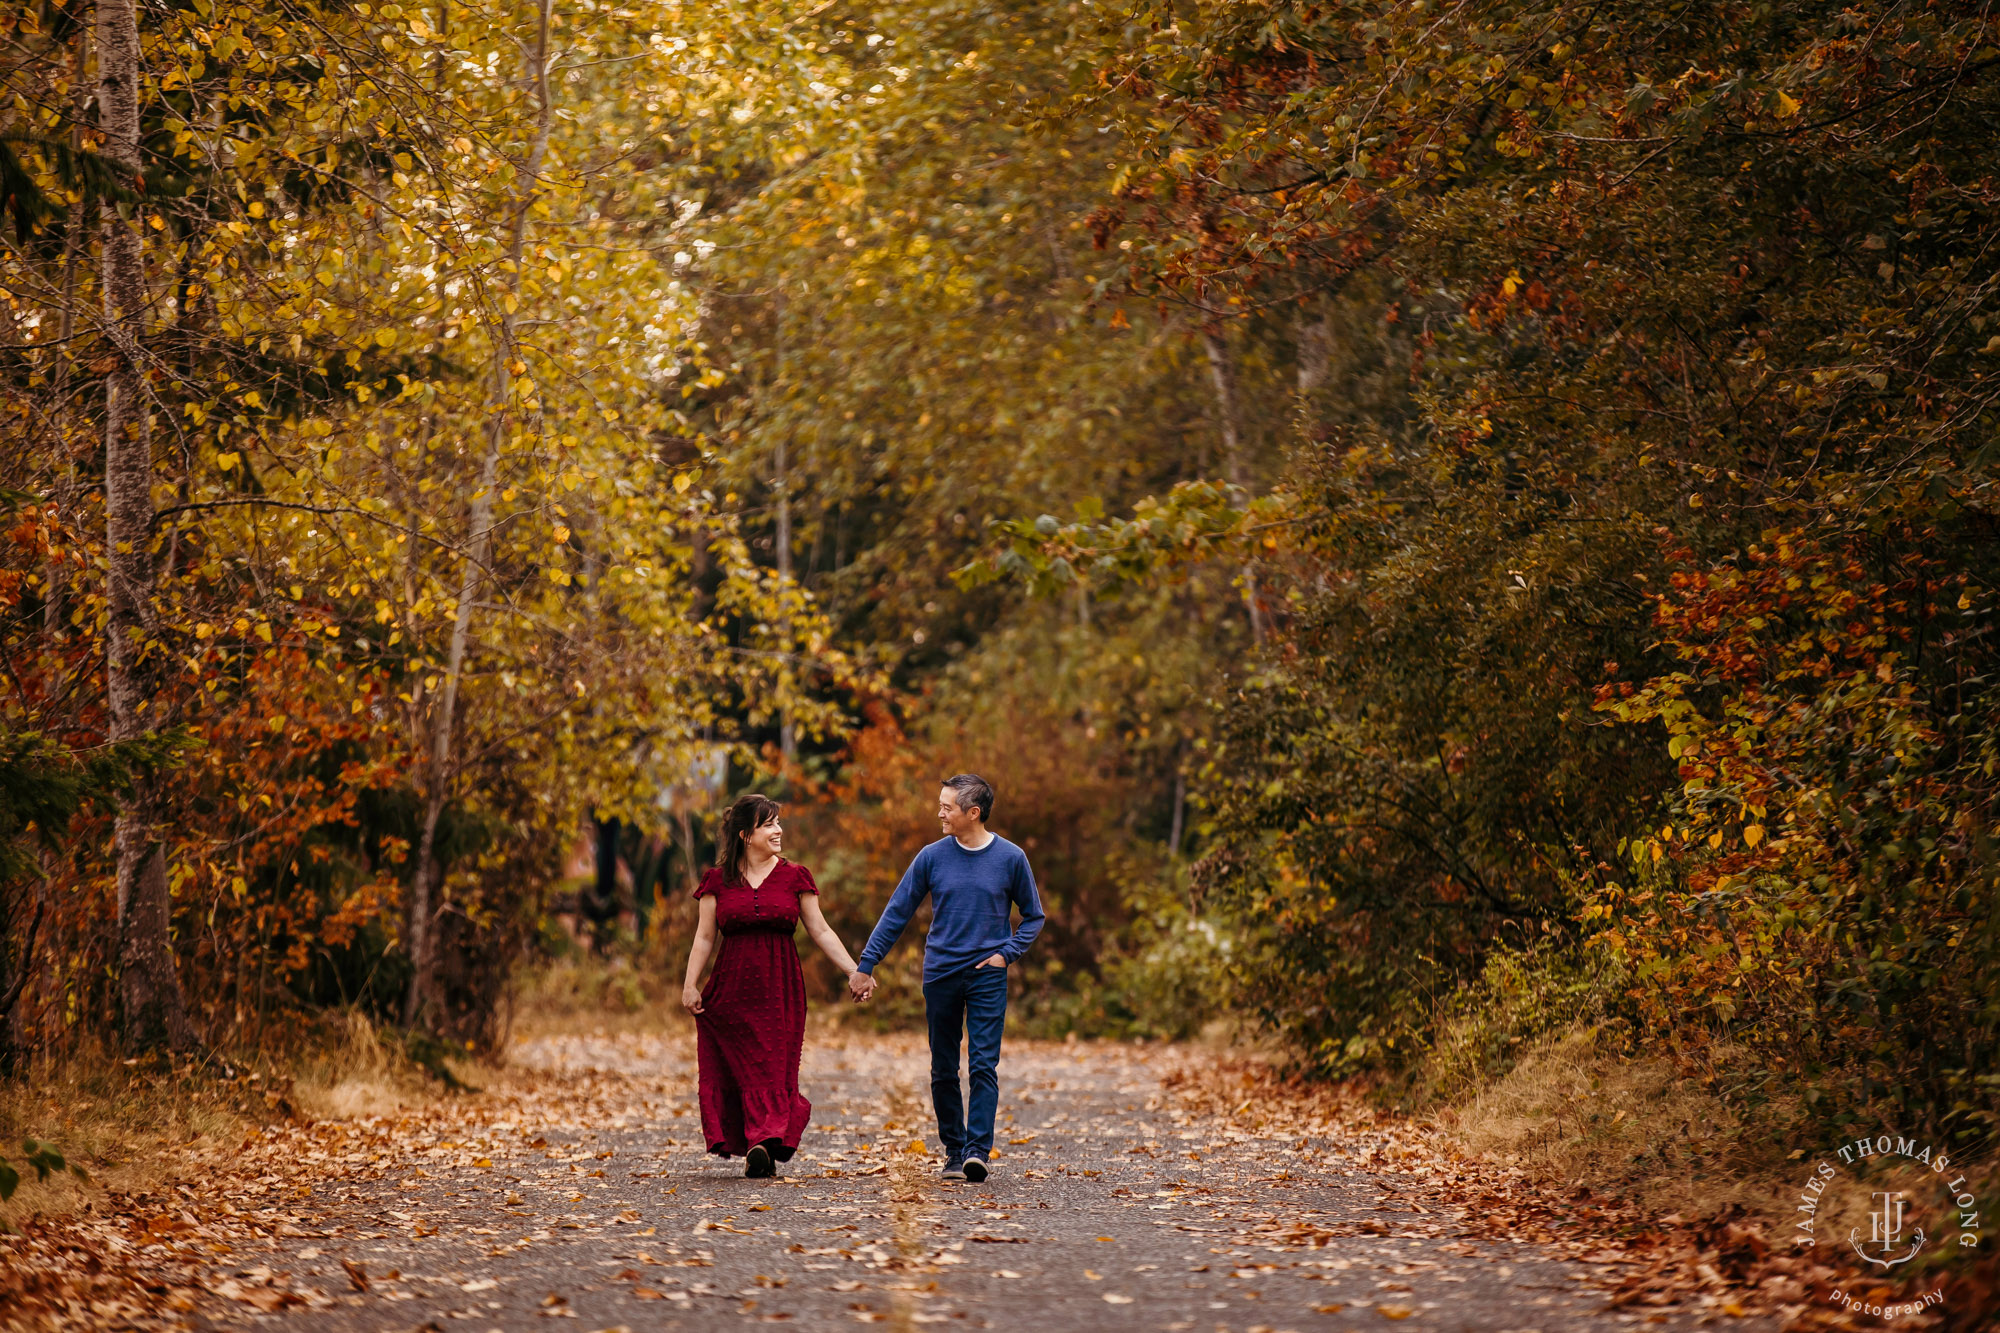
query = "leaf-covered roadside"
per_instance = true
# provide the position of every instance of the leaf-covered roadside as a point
(1728, 1265)
(475, 1194)
(153, 1258)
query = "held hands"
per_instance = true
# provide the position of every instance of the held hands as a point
(691, 998)
(860, 986)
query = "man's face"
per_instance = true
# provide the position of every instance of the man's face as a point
(957, 820)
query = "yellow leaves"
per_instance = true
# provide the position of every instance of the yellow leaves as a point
(561, 534)
(1394, 1311)
(1752, 834)
(916, 1148)
(1787, 106)
(516, 367)
(227, 462)
(681, 483)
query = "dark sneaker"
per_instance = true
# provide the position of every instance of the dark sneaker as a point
(757, 1163)
(975, 1169)
(954, 1170)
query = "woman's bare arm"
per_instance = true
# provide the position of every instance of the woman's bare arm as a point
(698, 952)
(822, 934)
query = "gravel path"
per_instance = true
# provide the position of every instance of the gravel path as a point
(1110, 1208)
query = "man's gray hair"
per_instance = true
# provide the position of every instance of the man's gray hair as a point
(969, 790)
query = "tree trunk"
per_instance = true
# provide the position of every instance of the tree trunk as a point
(155, 1014)
(427, 883)
(1222, 371)
(1315, 355)
(690, 868)
(1315, 337)
(788, 732)
(55, 603)
(17, 965)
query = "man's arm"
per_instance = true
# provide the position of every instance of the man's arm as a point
(1021, 888)
(914, 887)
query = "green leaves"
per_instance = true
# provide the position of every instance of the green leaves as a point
(1197, 521)
(43, 1160)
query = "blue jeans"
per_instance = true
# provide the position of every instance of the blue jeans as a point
(972, 1003)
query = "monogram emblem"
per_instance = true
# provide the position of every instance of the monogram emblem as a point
(1885, 1232)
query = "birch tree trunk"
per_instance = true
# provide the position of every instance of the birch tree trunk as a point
(154, 1013)
(788, 732)
(1315, 336)
(427, 883)
(56, 575)
(1222, 372)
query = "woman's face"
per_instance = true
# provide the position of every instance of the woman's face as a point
(765, 841)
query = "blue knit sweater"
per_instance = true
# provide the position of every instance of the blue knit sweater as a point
(972, 894)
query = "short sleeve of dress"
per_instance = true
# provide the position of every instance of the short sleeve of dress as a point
(802, 880)
(710, 883)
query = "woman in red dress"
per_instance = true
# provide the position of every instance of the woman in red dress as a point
(750, 1020)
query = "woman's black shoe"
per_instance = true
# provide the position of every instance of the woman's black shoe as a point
(757, 1164)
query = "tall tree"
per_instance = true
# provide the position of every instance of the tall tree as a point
(505, 368)
(155, 1014)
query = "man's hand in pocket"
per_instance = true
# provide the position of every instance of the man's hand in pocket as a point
(997, 960)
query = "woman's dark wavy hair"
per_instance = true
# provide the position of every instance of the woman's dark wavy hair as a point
(751, 811)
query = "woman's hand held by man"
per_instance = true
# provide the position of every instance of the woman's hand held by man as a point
(860, 985)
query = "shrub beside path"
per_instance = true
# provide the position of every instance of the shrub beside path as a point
(1135, 1187)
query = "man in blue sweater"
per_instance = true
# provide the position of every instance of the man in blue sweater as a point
(973, 879)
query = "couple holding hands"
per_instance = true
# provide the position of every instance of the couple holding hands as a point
(750, 1018)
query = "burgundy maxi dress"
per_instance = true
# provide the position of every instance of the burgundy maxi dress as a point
(752, 1024)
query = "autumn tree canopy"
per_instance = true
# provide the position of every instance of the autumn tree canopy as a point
(1399, 497)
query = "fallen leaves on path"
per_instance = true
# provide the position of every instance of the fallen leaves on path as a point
(173, 1256)
(1722, 1266)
